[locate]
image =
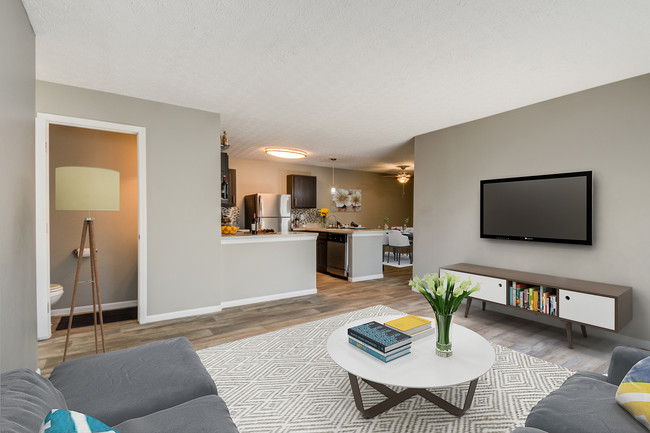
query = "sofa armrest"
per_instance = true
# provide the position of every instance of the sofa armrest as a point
(623, 358)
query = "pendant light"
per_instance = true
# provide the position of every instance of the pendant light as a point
(333, 188)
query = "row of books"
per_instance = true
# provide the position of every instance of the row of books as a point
(535, 298)
(391, 340)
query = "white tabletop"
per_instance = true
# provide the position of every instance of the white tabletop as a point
(472, 357)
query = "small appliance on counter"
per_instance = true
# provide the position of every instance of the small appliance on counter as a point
(272, 212)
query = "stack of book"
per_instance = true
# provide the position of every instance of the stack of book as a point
(536, 298)
(380, 341)
(415, 326)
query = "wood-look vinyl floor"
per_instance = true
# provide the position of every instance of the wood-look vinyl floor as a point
(335, 296)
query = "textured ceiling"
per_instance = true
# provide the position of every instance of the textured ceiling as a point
(350, 79)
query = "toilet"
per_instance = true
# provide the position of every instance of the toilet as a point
(56, 291)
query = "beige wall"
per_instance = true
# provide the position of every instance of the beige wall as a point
(380, 195)
(183, 242)
(116, 233)
(17, 219)
(605, 130)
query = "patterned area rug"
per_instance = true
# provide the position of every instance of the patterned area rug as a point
(284, 381)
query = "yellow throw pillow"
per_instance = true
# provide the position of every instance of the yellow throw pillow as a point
(634, 392)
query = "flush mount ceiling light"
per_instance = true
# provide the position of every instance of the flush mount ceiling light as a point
(281, 152)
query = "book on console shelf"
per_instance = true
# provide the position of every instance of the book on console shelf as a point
(379, 336)
(535, 298)
(385, 357)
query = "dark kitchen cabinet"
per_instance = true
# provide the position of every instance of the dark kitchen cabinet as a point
(321, 253)
(231, 178)
(231, 200)
(302, 190)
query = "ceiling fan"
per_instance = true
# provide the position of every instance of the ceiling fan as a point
(403, 176)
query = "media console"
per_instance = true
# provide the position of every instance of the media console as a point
(601, 305)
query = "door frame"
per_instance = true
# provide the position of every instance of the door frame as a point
(42, 159)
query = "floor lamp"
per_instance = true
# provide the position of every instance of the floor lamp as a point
(87, 189)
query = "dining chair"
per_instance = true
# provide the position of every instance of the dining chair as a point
(398, 243)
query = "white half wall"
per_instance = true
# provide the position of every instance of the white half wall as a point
(605, 129)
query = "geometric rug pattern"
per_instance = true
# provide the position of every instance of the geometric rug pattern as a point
(284, 381)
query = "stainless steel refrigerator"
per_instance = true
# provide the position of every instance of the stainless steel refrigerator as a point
(272, 210)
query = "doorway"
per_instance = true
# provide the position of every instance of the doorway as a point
(121, 239)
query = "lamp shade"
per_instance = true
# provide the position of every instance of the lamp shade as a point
(87, 188)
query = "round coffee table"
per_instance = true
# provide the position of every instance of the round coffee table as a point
(472, 357)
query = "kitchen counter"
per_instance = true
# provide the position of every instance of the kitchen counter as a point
(364, 252)
(247, 237)
(267, 266)
(353, 232)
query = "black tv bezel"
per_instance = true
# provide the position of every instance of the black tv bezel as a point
(587, 174)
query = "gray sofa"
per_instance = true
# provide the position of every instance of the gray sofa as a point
(160, 387)
(585, 402)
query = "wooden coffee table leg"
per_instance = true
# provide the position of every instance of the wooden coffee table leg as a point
(444, 404)
(395, 398)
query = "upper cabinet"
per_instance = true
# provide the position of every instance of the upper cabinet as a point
(302, 190)
(228, 181)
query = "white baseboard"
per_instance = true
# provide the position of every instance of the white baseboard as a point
(180, 314)
(366, 277)
(78, 309)
(255, 300)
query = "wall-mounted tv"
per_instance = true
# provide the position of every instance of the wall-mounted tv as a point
(547, 208)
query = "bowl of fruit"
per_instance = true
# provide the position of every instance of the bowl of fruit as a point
(229, 230)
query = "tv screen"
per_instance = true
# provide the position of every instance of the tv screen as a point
(548, 208)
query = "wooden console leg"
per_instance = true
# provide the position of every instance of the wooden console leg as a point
(584, 330)
(568, 334)
(469, 302)
(483, 306)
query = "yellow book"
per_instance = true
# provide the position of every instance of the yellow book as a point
(409, 324)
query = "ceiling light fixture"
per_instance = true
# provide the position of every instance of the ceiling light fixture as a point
(403, 177)
(333, 188)
(282, 152)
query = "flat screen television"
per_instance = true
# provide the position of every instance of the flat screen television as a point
(547, 208)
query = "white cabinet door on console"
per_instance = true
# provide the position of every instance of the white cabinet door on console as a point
(492, 289)
(589, 309)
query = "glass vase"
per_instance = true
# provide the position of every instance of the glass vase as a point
(443, 334)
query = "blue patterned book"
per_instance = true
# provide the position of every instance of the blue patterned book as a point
(397, 353)
(379, 336)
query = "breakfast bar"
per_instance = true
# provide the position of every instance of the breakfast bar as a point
(266, 267)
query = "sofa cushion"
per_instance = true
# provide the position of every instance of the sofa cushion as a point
(582, 404)
(68, 421)
(207, 414)
(634, 392)
(135, 382)
(26, 397)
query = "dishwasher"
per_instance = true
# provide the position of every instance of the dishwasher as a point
(337, 254)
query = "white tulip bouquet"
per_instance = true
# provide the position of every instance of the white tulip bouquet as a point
(444, 294)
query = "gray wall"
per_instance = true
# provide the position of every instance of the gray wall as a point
(17, 220)
(116, 233)
(182, 189)
(605, 129)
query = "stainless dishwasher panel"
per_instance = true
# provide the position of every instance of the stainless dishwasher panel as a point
(337, 254)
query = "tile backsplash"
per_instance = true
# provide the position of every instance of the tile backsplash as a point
(304, 215)
(233, 213)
